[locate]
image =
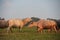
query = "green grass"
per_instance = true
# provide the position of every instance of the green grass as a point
(28, 34)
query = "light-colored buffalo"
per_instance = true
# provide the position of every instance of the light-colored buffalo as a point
(18, 23)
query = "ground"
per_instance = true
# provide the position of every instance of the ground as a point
(28, 34)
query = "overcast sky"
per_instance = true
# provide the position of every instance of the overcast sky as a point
(29, 8)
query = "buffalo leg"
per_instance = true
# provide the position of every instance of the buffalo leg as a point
(20, 28)
(40, 29)
(55, 29)
(9, 29)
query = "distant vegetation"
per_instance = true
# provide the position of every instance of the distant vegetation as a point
(35, 19)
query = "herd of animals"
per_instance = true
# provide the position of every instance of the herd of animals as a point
(41, 24)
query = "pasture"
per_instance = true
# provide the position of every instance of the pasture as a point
(28, 34)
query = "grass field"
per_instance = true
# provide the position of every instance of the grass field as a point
(28, 34)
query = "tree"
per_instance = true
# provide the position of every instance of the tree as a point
(35, 19)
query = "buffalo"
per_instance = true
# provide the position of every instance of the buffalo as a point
(18, 23)
(3, 23)
(44, 24)
(57, 21)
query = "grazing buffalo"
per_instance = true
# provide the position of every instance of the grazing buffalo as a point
(18, 23)
(3, 23)
(44, 24)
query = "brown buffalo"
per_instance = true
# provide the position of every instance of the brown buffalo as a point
(49, 24)
(44, 24)
(3, 24)
(18, 23)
